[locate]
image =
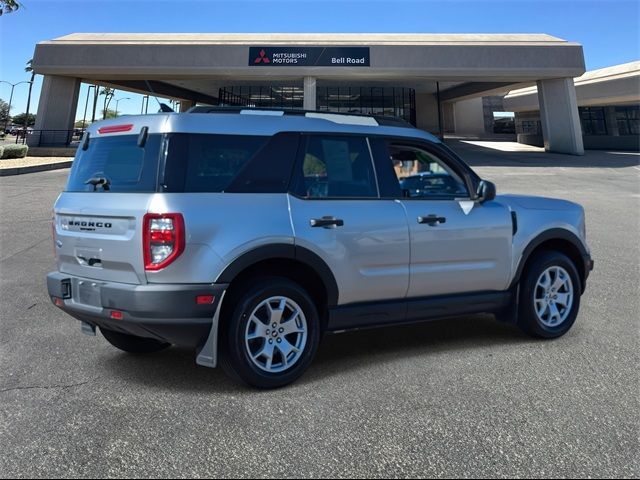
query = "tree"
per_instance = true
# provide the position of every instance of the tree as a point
(8, 6)
(108, 93)
(22, 118)
(4, 112)
(29, 69)
(86, 123)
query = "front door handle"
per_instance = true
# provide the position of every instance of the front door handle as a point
(326, 222)
(432, 220)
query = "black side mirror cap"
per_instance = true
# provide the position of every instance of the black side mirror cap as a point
(486, 191)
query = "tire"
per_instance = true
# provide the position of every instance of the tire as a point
(133, 344)
(539, 292)
(255, 353)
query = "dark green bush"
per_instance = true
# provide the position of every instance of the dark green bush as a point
(14, 151)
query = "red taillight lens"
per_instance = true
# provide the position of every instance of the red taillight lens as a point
(163, 239)
(115, 315)
(205, 299)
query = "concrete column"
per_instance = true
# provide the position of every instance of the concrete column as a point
(56, 110)
(427, 112)
(559, 116)
(186, 105)
(309, 102)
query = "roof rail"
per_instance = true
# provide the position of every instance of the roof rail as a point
(358, 118)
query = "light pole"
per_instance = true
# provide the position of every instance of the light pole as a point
(13, 85)
(117, 100)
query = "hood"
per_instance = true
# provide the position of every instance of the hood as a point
(537, 203)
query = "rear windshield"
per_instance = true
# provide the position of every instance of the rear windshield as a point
(177, 162)
(119, 160)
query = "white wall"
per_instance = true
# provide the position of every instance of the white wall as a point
(469, 117)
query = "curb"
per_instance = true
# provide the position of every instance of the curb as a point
(5, 172)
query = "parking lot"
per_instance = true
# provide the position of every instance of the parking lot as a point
(460, 398)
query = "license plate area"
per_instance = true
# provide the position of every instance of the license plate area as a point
(88, 293)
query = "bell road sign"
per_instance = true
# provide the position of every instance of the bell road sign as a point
(309, 56)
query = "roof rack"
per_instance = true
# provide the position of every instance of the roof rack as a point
(382, 120)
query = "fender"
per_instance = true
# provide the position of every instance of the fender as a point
(286, 251)
(555, 234)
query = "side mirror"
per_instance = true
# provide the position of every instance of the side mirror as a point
(486, 191)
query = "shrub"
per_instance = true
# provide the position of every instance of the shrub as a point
(1, 150)
(14, 151)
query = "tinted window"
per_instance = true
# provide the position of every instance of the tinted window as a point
(269, 171)
(206, 163)
(336, 167)
(118, 159)
(422, 174)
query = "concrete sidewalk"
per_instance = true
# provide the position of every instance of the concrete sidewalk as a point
(17, 166)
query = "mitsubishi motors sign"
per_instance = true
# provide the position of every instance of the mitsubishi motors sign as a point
(309, 56)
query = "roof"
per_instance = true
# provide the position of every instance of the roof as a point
(615, 72)
(251, 124)
(371, 39)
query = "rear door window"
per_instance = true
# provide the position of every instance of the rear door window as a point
(120, 161)
(336, 167)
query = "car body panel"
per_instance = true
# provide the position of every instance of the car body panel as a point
(468, 252)
(369, 254)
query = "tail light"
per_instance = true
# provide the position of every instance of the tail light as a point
(163, 239)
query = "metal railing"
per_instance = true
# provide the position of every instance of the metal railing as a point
(50, 138)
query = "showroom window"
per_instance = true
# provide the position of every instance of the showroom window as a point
(592, 120)
(628, 119)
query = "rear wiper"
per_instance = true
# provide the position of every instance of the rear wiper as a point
(102, 181)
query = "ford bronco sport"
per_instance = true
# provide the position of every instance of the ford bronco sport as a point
(248, 234)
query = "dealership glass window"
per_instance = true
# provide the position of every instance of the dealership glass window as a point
(628, 119)
(275, 96)
(392, 101)
(592, 120)
(531, 127)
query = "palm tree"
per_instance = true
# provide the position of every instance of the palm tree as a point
(8, 6)
(108, 95)
(29, 69)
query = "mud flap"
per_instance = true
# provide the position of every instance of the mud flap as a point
(208, 352)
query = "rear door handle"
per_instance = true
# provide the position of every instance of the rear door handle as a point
(432, 220)
(326, 222)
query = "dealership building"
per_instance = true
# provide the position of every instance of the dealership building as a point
(432, 81)
(608, 107)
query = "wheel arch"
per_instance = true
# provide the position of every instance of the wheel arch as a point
(297, 263)
(561, 240)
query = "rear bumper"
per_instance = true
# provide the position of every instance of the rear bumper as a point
(165, 312)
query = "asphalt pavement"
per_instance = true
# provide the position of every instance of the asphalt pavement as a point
(460, 398)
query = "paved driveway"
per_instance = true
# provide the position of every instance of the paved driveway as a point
(466, 397)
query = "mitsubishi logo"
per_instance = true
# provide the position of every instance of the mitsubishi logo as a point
(262, 58)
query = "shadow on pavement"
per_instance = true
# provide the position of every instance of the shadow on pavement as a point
(175, 368)
(491, 156)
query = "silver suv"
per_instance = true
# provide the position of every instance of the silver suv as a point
(248, 234)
